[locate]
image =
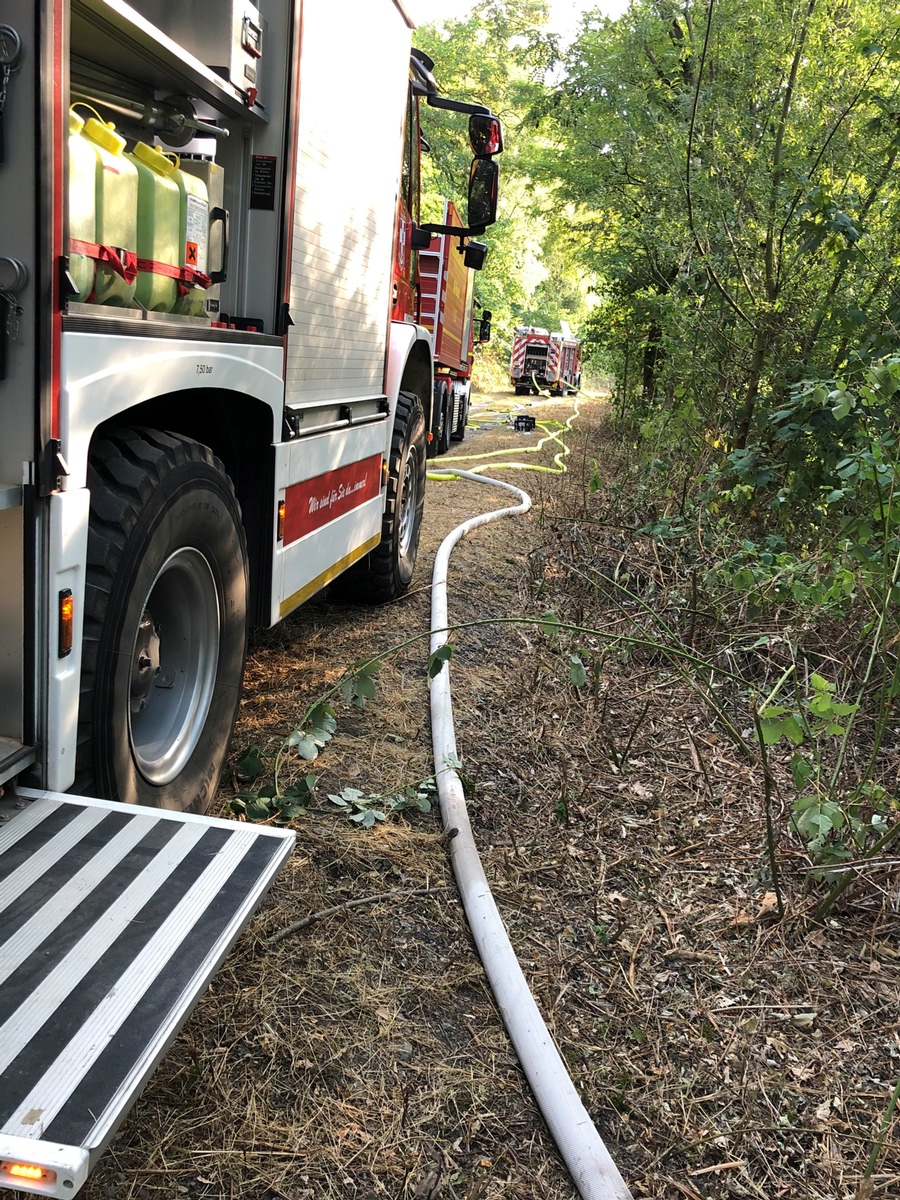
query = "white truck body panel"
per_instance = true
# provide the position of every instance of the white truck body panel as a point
(345, 208)
(104, 376)
(68, 521)
(310, 473)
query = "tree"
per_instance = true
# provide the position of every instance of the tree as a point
(499, 56)
(742, 154)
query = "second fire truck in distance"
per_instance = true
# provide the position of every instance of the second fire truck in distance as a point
(544, 360)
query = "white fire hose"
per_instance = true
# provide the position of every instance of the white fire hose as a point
(590, 1165)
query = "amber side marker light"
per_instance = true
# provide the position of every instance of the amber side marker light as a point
(281, 520)
(385, 473)
(66, 621)
(29, 1171)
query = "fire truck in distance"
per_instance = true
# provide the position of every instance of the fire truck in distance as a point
(216, 392)
(544, 360)
(447, 303)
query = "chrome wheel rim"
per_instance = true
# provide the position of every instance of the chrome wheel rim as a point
(409, 499)
(174, 662)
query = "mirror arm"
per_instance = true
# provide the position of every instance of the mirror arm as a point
(455, 230)
(458, 106)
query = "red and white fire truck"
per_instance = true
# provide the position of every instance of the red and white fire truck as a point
(541, 359)
(216, 394)
(447, 307)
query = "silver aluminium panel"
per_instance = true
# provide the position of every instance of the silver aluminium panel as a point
(113, 920)
(354, 71)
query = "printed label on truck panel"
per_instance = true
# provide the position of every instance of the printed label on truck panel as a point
(314, 502)
(262, 181)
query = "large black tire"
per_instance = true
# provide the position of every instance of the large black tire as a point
(440, 419)
(165, 629)
(387, 571)
(446, 420)
(459, 433)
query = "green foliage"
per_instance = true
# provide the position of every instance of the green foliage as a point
(766, 574)
(835, 826)
(320, 726)
(437, 658)
(500, 55)
(358, 685)
(578, 676)
(836, 832)
(550, 624)
(823, 475)
(274, 803)
(818, 714)
(281, 805)
(250, 765)
(731, 171)
(366, 809)
(269, 805)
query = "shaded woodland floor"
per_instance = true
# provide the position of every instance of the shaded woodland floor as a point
(720, 1051)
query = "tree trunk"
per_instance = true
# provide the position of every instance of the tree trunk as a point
(751, 393)
(652, 353)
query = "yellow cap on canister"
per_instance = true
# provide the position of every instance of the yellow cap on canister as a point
(104, 134)
(155, 158)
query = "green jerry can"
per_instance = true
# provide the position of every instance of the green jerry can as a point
(158, 228)
(117, 201)
(82, 206)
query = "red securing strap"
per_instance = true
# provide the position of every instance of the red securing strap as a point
(187, 277)
(123, 262)
(194, 278)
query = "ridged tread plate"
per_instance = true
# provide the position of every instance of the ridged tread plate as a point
(113, 920)
(15, 756)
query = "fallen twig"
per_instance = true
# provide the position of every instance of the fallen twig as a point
(356, 903)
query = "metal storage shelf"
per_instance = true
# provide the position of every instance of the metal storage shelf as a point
(14, 757)
(107, 31)
(10, 495)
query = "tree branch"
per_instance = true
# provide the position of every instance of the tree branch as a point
(406, 893)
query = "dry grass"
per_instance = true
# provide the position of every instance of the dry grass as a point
(721, 1053)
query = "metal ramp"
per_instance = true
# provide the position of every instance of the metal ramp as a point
(113, 920)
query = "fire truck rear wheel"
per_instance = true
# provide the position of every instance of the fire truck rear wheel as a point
(446, 419)
(165, 622)
(459, 433)
(392, 563)
(439, 442)
(387, 571)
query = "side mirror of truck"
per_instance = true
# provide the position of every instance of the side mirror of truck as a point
(474, 254)
(484, 327)
(485, 134)
(483, 180)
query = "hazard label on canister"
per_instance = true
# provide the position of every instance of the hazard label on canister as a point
(196, 233)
